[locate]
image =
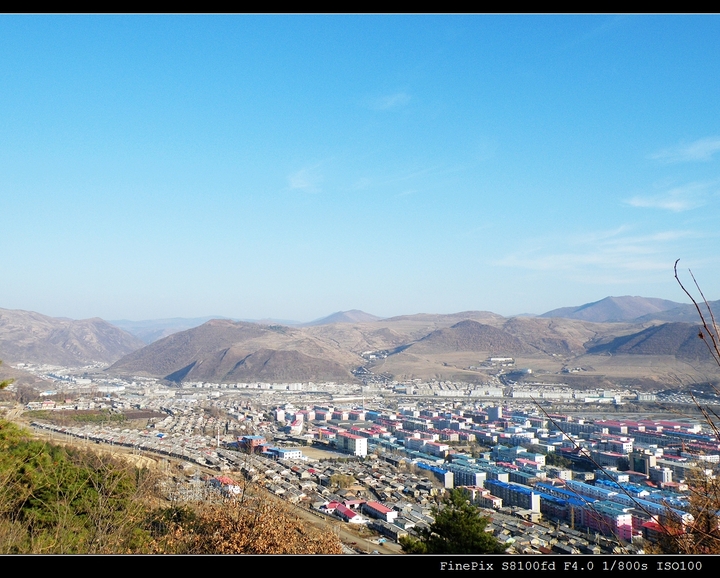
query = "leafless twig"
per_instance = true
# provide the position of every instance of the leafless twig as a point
(710, 328)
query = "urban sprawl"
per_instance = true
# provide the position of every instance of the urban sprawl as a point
(382, 454)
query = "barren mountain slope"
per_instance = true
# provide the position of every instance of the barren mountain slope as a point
(417, 326)
(683, 313)
(26, 336)
(235, 365)
(470, 335)
(670, 339)
(222, 350)
(359, 337)
(614, 309)
(353, 316)
(560, 336)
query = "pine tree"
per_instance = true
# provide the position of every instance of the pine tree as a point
(4, 384)
(458, 529)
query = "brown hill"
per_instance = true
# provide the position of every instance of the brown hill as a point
(26, 336)
(267, 365)
(470, 335)
(684, 313)
(560, 336)
(353, 316)
(613, 309)
(359, 338)
(548, 345)
(671, 339)
(20, 377)
(388, 334)
(446, 319)
(178, 350)
(228, 351)
(417, 326)
(150, 330)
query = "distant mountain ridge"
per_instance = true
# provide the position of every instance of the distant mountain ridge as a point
(686, 313)
(470, 335)
(225, 351)
(27, 336)
(352, 316)
(452, 346)
(615, 309)
(676, 339)
(150, 330)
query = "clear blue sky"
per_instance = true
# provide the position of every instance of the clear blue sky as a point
(290, 167)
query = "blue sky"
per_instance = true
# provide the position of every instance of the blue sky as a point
(290, 167)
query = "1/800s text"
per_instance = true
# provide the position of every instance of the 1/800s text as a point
(660, 565)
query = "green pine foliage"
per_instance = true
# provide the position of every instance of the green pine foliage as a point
(458, 529)
(4, 384)
(557, 460)
(58, 500)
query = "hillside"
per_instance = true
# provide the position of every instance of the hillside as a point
(429, 346)
(235, 364)
(68, 500)
(614, 309)
(26, 336)
(557, 336)
(20, 377)
(417, 326)
(228, 351)
(470, 335)
(151, 330)
(670, 339)
(415, 346)
(683, 313)
(353, 316)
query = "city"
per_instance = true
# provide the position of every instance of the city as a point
(320, 284)
(380, 455)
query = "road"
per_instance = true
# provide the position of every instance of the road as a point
(348, 535)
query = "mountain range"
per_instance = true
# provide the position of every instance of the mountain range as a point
(614, 309)
(633, 339)
(222, 350)
(26, 336)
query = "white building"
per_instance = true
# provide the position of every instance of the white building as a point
(356, 445)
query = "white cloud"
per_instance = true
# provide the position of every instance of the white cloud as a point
(700, 150)
(582, 261)
(390, 101)
(307, 179)
(678, 199)
(604, 254)
(605, 27)
(399, 177)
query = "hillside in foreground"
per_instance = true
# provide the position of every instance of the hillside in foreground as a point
(59, 500)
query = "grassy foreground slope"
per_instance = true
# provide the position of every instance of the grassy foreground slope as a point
(58, 500)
